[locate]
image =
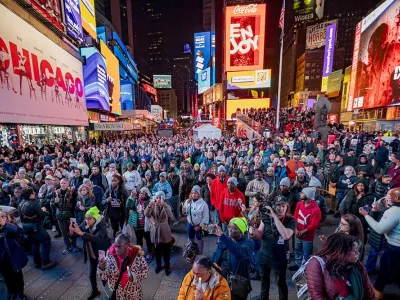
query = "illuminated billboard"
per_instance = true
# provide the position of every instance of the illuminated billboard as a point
(162, 81)
(375, 71)
(204, 81)
(248, 80)
(114, 87)
(51, 10)
(329, 49)
(244, 37)
(96, 83)
(307, 10)
(233, 105)
(316, 34)
(88, 15)
(73, 20)
(127, 95)
(202, 52)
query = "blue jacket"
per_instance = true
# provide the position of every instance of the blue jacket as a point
(11, 247)
(235, 251)
(382, 154)
(164, 187)
(9, 168)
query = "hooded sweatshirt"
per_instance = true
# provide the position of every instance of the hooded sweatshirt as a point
(307, 217)
(197, 212)
(230, 205)
(217, 187)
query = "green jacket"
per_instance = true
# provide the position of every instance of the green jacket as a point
(64, 205)
(131, 211)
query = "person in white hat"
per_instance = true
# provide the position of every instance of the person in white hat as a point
(308, 217)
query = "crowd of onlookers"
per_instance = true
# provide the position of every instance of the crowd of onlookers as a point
(263, 198)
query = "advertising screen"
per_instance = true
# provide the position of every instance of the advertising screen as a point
(150, 89)
(248, 80)
(213, 71)
(233, 105)
(41, 82)
(204, 81)
(329, 49)
(162, 81)
(376, 59)
(88, 15)
(316, 34)
(244, 37)
(307, 10)
(114, 86)
(50, 9)
(126, 96)
(96, 84)
(73, 19)
(202, 52)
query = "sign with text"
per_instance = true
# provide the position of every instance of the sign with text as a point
(244, 37)
(329, 49)
(248, 79)
(162, 81)
(109, 126)
(73, 19)
(51, 10)
(204, 81)
(316, 34)
(88, 15)
(202, 52)
(308, 10)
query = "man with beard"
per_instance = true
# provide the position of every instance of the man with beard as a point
(257, 188)
(283, 191)
(230, 202)
(299, 183)
(337, 172)
(97, 178)
(350, 159)
(364, 168)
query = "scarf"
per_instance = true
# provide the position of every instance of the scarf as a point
(356, 290)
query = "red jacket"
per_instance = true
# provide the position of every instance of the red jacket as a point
(322, 287)
(292, 168)
(230, 205)
(217, 187)
(307, 217)
(395, 173)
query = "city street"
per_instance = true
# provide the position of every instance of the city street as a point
(70, 279)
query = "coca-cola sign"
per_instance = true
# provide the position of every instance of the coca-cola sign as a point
(245, 9)
(245, 35)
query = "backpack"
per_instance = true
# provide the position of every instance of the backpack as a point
(190, 252)
(300, 279)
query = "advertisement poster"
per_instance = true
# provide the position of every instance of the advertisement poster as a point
(150, 89)
(114, 85)
(248, 80)
(329, 49)
(377, 51)
(204, 81)
(126, 96)
(316, 34)
(50, 9)
(157, 112)
(244, 37)
(88, 15)
(202, 52)
(96, 84)
(213, 71)
(41, 83)
(242, 104)
(307, 10)
(73, 19)
(162, 81)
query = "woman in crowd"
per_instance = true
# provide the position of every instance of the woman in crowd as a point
(390, 226)
(135, 207)
(114, 201)
(95, 238)
(204, 281)
(12, 257)
(160, 216)
(345, 183)
(124, 268)
(84, 202)
(342, 274)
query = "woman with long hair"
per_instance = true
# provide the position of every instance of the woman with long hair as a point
(389, 225)
(204, 281)
(114, 201)
(84, 202)
(341, 274)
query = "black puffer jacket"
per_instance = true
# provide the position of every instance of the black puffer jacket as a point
(376, 240)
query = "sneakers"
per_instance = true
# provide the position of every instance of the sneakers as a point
(176, 223)
(293, 268)
(66, 250)
(158, 270)
(94, 294)
(75, 249)
(50, 265)
(255, 276)
(168, 272)
(57, 235)
(53, 228)
(149, 258)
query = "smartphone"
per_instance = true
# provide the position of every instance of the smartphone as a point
(102, 254)
(367, 208)
(211, 228)
(129, 271)
(72, 220)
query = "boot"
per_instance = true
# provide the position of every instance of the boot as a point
(378, 294)
(94, 294)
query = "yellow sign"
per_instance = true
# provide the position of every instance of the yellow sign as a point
(257, 79)
(88, 15)
(324, 84)
(233, 105)
(114, 85)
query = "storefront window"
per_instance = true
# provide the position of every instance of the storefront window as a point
(36, 134)
(8, 136)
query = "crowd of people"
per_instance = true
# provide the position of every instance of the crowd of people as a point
(264, 199)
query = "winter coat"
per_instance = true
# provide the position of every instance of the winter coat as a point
(138, 266)
(379, 189)
(99, 180)
(87, 203)
(342, 187)
(217, 288)
(350, 161)
(382, 154)
(321, 284)
(217, 188)
(174, 182)
(376, 240)
(350, 204)
(115, 208)
(163, 187)
(11, 248)
(160, 231)
(394, 171)
(307, 217)
(367, 168)
(131, 210)
(64, 204)
(197, 212)
(292, 166)
(229, 205)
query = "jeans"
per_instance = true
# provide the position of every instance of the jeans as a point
(198, 234)
(303, 251)
(41, 241)
(214, 216)
(372, 260)
(163, 250)
(93, 263)
(280, 279)
(64, 227)
(257, 246)
(389, 269)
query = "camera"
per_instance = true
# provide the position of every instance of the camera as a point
(263, 207)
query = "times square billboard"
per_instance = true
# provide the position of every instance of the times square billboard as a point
(244, 37)
(375, 74)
